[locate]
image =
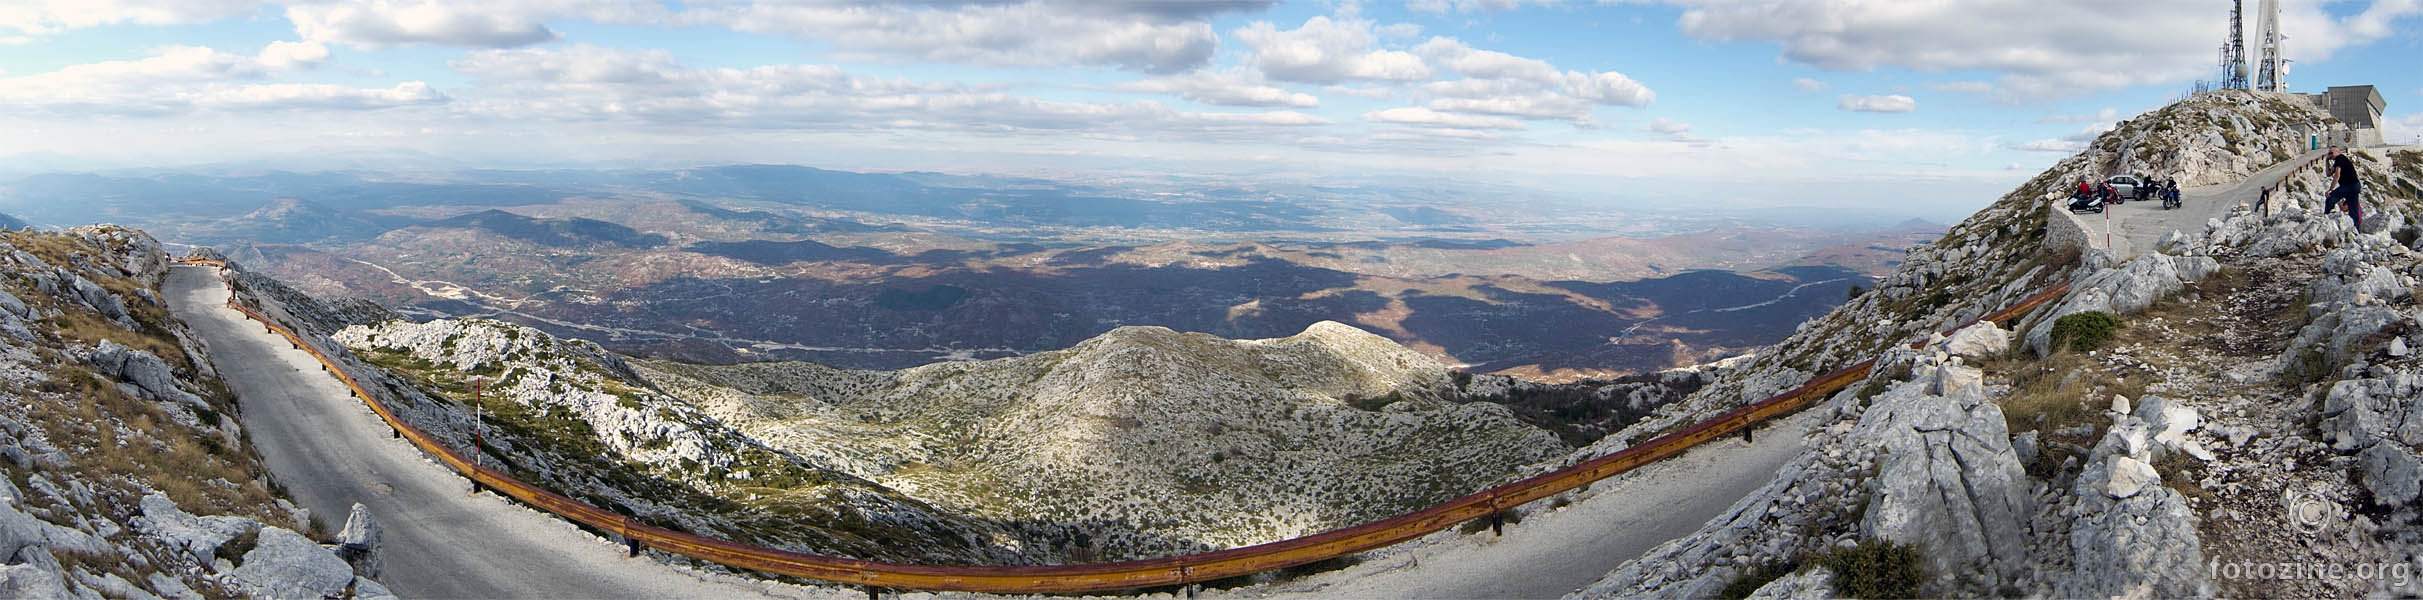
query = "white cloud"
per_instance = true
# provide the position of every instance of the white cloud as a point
(2403, 130)
(46, 17)
(584, 83)
(293, 55)
(1666, 126)
(1498, 83)
(375, 24)
(1227, 88)
(1427, 117)
(318, 96)
(1889, 103)
(1168, 36)
(2035, 47)
(1469, 6)
(1808, 85)
(1961, 87)
(2069, 143)
(2106, 115)
(180, 79)
(1326, 52)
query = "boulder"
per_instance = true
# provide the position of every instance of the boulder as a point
(1977, 342)
(32, 582)
(359, 543)
(198, 537)
(2129, 476)
(1807, 584)
(1948, 482)
(287, 566)
(145, 371)
(2391, 473)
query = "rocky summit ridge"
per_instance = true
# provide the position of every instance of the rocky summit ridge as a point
(2249, 407)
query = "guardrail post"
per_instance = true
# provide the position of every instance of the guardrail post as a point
(634, 545)
(1497, 522)
(874, 593)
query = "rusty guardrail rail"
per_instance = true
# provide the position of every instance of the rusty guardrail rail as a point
(1174, 570)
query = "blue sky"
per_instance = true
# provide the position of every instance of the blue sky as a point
(1776, 102)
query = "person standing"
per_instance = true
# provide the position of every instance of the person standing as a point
(2343, 172)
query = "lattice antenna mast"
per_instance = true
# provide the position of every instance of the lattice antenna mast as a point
(2233, 52)
(2271, 74)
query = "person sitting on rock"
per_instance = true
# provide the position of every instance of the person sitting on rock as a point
(2343, 171)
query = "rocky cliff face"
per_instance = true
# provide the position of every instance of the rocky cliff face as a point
(2248, 409)
(116, 433)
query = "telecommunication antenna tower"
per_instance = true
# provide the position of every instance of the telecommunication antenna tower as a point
(2271, 73)
(2233, 52)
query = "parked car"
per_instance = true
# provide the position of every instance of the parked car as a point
(2125, 185)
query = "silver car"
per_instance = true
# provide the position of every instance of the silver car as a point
(2125, 185)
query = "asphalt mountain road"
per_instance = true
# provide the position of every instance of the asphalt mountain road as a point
(2135, 227)
(439, 540)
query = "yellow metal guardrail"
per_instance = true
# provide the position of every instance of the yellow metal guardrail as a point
(1174, 570)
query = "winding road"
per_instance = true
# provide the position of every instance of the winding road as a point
(438, 539)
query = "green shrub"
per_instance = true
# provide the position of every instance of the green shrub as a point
(1875, 569)
(1749, 582)
(2084, 331)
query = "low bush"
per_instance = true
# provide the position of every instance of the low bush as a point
(2085, 331)
(1876, 569)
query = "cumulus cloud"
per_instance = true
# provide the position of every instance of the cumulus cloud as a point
(1888, 103)
(1236, 87)
(2033, 46)
(45, 17)
(1808, 85)
(374, 24)
(2106, 115)
(2068, 143)
(1169, 36)
(1469, 6)
(1326, 51)
(1427, 117)
(1503, 84)
(589, 83)
(293, 55)
(1961, 87)
(180, 79)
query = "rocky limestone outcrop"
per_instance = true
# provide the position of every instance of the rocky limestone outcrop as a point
(1948, 481)
(2121, 290)
(103, 427)
(1263, 439)
(287, 566)
(1927, 461)
(2129, 535)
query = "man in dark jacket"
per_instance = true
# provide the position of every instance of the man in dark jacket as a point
(2343, 174)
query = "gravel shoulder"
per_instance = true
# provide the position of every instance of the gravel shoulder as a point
(440, 541)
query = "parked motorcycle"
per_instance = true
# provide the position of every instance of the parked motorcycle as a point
(2086, 202)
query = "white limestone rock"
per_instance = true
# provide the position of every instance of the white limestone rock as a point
(1948, 482)
(2391, 472)
(198, 537)
(287, 566)
(2129, 476)
(1977, 342)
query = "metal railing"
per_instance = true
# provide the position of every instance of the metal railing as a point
(1174, 570)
